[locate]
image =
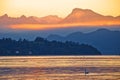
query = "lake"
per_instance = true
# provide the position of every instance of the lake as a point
(60, 68)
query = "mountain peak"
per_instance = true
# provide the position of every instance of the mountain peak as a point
(23, 16)
(50, 19)
(88, 16)
(103, 30)
(81, 15)
(81, 10)
(4, 16)
(52, 16)
(77, 9)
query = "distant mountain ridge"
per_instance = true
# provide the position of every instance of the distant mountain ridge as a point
(90, 17)
(105, 40)
(5, 20)
(108, 42)
(77, 16)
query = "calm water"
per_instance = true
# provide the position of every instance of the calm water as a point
(60, 68)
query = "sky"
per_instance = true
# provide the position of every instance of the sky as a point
(62, 8)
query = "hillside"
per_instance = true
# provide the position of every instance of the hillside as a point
(40, 46)
(108, 42)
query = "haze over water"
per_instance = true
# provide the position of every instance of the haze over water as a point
(60, 68)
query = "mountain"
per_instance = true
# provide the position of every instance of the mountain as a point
(6, 20)
(77, 17)
(89, 17)
(51, 19)
(41, 46)
(107, 41)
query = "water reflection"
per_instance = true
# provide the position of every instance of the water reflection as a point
(69, 68)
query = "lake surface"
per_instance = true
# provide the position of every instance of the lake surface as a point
(60, 68)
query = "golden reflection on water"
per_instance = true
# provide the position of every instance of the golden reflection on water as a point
(60, 68)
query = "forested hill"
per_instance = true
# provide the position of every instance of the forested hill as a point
(41, 46)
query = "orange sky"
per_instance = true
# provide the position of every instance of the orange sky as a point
(61, 8)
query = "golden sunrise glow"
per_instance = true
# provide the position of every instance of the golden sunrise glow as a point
(61, 8)
(58, 26)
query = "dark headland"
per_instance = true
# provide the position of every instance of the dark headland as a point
(41, 46)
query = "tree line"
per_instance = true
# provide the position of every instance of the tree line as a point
(41, 46)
